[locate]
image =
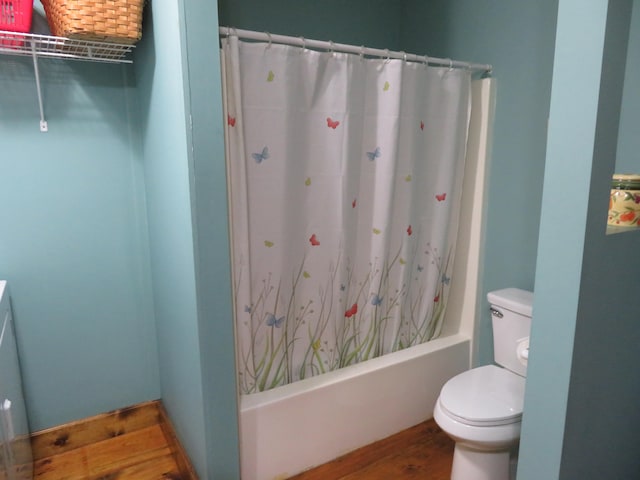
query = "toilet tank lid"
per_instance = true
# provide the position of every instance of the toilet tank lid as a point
(514, 299)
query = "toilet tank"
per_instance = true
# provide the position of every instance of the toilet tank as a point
(511, 310)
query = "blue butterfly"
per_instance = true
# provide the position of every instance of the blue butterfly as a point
(375, 154)
(445, 279)
(259, 157)
(272, 321)
(420, 268)
(375, 299)
(247, 309)
(342, 287)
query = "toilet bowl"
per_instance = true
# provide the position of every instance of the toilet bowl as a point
(481, 409)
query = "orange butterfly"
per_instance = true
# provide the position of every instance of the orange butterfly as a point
(441, 197)
(231, 120)
(314, 241)
(332, 123)
(352, 311)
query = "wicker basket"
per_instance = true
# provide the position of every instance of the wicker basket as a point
(117, 21)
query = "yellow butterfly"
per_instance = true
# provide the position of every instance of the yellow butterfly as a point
(402, 261)
(267, 243)
(306, 274)
(270, 76)
(307, 182)
(407, 178)
(376, 231)
(386, 86)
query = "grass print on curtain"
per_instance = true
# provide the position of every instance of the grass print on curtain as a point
(345, 178)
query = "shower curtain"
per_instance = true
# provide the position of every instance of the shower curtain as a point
(345, 177)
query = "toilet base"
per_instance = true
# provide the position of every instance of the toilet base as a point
(472, 464)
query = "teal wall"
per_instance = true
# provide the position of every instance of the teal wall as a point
(517, 38)
(374, 23)
(99, 241)
(162, 72)
(73, 239)
(581, 412)
(628, 155)
(574, 105)
(211, 236)
(605, 355)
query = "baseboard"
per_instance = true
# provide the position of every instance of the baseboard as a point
(179, 453)
(87, 431)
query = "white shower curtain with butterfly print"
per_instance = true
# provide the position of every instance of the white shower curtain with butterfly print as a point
(345, 178)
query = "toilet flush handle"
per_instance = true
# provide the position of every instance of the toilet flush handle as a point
(496, 312)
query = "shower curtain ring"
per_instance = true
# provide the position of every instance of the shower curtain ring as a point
(404, 57)
(332, 47)
(450, 64)
(270, 40)
(386, 52)
(304, 44)
(361, 52)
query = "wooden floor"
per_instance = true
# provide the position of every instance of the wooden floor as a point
(129, 444)
(423, 452)
(136, 444)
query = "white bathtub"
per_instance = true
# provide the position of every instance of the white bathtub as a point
(298, 426)
(295, 427)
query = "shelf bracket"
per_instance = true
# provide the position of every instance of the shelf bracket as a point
(43, 123)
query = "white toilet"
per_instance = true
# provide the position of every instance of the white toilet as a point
(481, 409)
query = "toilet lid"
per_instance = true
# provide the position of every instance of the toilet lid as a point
(484, 396)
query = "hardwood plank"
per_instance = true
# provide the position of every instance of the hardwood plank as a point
(90, 430)
(70, 465)
(159, 468)
(423, 451)
(136, 442)
(126, 450)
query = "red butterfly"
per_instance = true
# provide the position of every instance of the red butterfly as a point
(332, 123)
(352, 311)
(421, 125)
(409, 230)
(231, 120)
(441, 197)
(353, 204)
(314, 241)
(437, 297)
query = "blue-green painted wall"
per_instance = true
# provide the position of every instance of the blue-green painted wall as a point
(162, 87)
(581, 412)
(211, 236)
(517, 38)
(605, 355)
(562, 237)
(73, 239)
(628, 156)
(374, 23)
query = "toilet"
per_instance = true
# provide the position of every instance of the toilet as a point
(481, 409)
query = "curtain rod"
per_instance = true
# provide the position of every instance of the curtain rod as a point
(341, 47)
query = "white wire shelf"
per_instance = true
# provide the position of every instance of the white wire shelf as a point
(47, 46)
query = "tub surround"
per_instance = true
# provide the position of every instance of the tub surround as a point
(318, 419)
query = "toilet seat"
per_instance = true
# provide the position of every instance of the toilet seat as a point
(484, 397)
